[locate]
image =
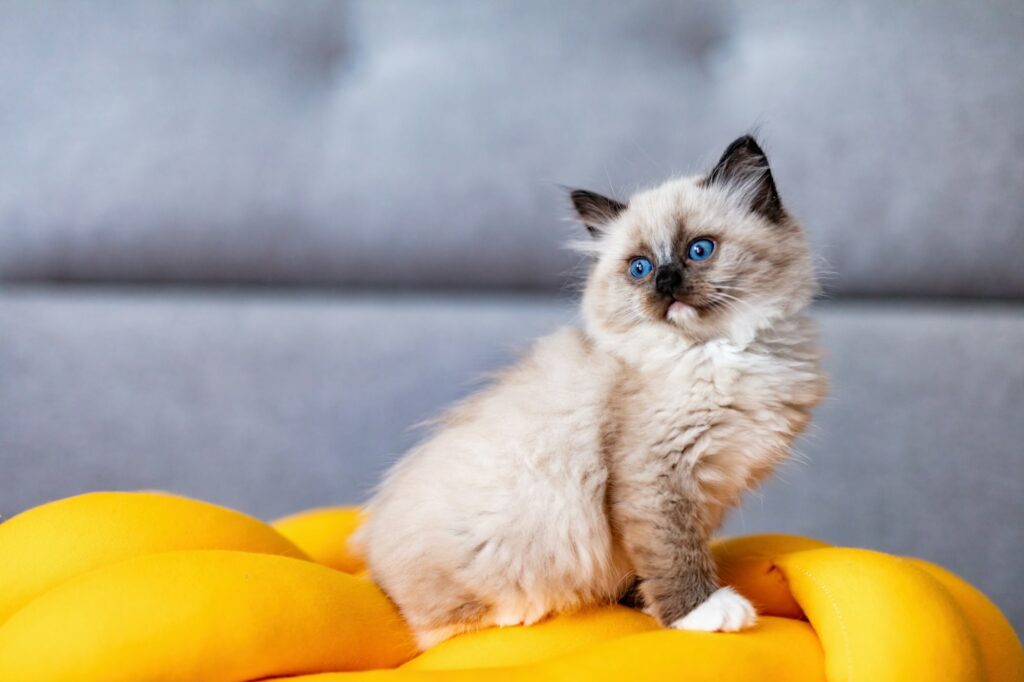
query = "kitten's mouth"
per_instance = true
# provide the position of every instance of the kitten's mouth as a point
(679, 312)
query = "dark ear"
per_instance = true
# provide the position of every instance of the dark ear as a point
(744, 167)
(595, 210)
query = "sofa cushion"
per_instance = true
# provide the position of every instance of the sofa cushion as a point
(403, 144)
(273, 404)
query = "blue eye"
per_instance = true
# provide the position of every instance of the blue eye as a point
(640, 268)
(700, 249)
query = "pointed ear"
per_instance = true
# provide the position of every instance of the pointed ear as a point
(595, 210)
(744, 169)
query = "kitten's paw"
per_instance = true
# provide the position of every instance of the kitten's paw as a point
(725, 610)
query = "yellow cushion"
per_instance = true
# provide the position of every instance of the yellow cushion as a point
(45, 546)
(566, 634)
(321, 533)
(748, 564)
(126, 603)
(203, 615)
(880, 617)
(995, 638)
(777, 649)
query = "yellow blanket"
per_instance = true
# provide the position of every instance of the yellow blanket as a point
(150, 586)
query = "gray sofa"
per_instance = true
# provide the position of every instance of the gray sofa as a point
(245, 247)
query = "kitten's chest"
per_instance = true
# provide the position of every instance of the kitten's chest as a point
(713, 389)
(706, 378)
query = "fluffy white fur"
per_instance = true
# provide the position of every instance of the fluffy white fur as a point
(611, 453)
(725, 610)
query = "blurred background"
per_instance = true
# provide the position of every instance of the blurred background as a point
(244, 247)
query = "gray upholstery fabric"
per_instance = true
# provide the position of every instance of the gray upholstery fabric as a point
(369, 146)
(402, 143)
(271, 404)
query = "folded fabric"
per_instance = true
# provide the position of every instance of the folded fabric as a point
(151, 586)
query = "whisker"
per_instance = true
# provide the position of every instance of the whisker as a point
(732, 300)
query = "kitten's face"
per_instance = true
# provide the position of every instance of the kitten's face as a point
(706, 257)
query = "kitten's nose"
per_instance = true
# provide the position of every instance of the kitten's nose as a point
(667, 279)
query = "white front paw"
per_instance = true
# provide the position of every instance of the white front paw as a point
(725, 610)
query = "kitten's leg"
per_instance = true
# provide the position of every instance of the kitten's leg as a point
(663, 535)
(435, 622)
(433, 602)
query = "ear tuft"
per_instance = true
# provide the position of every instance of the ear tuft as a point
(744, 169)
(595, 210)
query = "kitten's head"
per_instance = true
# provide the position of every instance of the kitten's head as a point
(705, 257)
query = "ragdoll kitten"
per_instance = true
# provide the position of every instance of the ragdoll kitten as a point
(611, 453)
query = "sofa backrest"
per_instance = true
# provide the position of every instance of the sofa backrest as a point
(403, 144)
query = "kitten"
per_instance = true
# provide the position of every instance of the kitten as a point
(611, 453)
